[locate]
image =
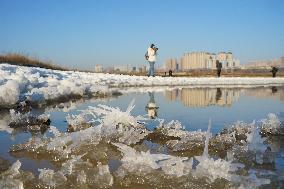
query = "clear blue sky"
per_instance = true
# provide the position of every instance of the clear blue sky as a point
(84, 33)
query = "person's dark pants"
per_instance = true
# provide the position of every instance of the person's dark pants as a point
(273, 74)
(218, 73)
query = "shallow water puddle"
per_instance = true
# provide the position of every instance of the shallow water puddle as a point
(138, 146)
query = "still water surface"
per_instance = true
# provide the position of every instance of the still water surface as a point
(193, 107)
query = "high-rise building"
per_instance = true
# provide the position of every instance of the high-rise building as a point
(282, 60)
(98, 68)
(196, 60)
(226, 58)
(123, 68)
(171, 64)
(143, 68)
(205, 60)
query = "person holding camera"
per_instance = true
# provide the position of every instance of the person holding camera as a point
(151, 58)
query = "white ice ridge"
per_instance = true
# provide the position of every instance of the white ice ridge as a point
(39, 84)
(145, 162)
(120, 128)
(141, 163)
(83, 172)
(114, 126)
(12, 178)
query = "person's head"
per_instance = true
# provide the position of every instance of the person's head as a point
(152, 45)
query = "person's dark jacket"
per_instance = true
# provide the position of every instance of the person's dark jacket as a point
(218, 65)
(274, 70)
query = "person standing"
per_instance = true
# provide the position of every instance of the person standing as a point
(219, 67)
(274, 70)
(171, 73)
(151, 58)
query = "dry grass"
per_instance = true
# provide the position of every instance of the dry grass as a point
(25, 60)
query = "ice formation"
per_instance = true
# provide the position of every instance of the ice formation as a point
(117, 124)
(145, 162)
(255, 141)
(114, 126)
(10, 93)
(51, 178)
(11, 179)
(83, 155)
(77, 122)
(28, 121)
(211, 168)
(4, 123)
(84, 173)
(271, 125)
(75, 119)
(186, 139)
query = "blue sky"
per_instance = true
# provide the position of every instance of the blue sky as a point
(84, 33)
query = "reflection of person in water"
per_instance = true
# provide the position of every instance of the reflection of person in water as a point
(218, 94)
(151, 107)
(268, 156)
(274, 89)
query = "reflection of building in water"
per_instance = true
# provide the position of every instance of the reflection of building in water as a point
(267, 92)
(205, 97)
(172, 95)
(200, 97)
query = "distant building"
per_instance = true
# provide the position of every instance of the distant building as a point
(140, 69)
(109, 69)
(206, 60)
(143, 68)
(171, 64)
(282, 60)
(227, 60)
(123, 68)
(256, 64)
(98, 68)
(194, 60)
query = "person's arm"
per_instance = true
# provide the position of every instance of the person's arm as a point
(146, 55)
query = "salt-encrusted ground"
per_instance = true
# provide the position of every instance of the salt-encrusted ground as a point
(18, 83)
